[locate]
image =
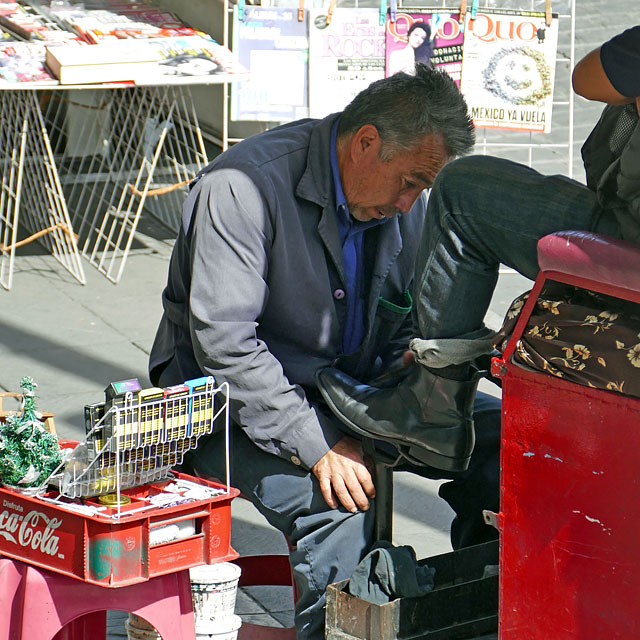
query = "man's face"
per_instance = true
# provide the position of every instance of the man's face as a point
(376, 189)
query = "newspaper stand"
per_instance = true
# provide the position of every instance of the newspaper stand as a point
(569, 564)
(161, 521)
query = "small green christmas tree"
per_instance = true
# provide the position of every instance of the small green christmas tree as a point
(28, 452)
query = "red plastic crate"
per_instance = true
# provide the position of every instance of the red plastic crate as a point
(113, 549)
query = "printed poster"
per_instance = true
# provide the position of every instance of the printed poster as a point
(345, 57)
(509, 68)
(431, 37)
(274, 46)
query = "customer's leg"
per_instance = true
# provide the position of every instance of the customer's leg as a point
(484, 211)
(478, 488)
(328, 543)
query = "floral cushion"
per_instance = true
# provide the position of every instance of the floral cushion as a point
(585, 337)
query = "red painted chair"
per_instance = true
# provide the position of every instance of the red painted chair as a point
(569, 516)
(38, 604)
(269, 570)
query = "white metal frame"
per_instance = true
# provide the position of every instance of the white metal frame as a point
(151, 149)
(31, 191)
(142, 145)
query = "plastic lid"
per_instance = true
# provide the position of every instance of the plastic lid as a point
(111, 499)
(218, 572)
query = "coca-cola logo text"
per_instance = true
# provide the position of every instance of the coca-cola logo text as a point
(35, 530)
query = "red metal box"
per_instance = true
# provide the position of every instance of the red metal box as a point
(569, 565)
(112, 546)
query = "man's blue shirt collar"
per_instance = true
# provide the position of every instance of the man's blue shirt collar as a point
(341, 201)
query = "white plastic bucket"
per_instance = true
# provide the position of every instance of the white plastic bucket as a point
(138, 628)
(214, 588)
(227, 630)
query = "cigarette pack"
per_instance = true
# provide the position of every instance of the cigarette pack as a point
(201, 405)
(151, 418)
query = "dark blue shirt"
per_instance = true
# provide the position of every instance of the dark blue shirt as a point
(352, 241)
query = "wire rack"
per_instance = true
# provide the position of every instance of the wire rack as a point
(119, 150)
(30, 188)
(138, 443)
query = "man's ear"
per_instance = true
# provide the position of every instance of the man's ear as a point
(365, 142)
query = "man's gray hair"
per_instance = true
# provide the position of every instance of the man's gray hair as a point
(405, 108)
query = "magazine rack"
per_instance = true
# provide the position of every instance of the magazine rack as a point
(147, 147)
(30, 178)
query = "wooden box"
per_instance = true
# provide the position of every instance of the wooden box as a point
(462, 605)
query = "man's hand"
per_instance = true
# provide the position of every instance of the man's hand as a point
(342, 474)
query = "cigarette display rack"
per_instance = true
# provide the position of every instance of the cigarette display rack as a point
(140, 438)
(115, 512)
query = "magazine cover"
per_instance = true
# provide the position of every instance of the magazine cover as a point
(189, 60)
(431, 36)
(508, 69)
(25, 22)
(194, 56)
(23, 63)
(274, 46)
(345, 57)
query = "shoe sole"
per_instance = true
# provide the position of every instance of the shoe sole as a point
(413, 453)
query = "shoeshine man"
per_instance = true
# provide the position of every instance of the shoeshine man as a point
(296, 253)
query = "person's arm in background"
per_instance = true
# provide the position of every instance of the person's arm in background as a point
(611, 73)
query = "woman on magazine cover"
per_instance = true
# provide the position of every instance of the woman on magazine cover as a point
(419, 48)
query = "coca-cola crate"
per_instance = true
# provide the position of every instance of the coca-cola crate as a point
(120, 545)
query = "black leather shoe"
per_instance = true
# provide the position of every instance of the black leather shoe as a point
(429, 418)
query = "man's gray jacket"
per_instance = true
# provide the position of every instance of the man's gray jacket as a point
(256, 288)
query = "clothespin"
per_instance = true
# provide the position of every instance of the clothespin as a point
(547, 13)
(241, 10)
(332, 6)
(462, 12)
(393, 8)
(383, 12)
(300, 10)
(474, 9)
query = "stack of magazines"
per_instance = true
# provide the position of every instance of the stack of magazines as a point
(122, 42)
